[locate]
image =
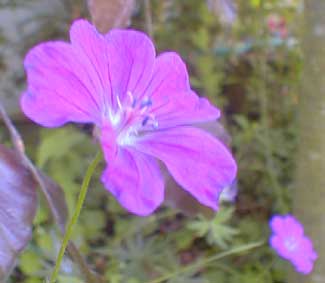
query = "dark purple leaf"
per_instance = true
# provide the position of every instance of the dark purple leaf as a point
(18, 203)
(52, 192)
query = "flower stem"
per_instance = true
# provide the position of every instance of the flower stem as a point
(201, 263)
(82, 195)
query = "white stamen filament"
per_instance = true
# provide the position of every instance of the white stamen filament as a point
(131, 118)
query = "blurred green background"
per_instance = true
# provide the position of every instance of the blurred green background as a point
(247, 60)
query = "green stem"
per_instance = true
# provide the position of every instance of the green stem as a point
(199, 264)
(82, 195)
(266, 138)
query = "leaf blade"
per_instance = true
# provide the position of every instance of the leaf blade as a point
(18, 204)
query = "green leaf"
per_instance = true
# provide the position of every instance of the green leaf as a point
(57, 143)
(255, 3)
(30, 262)
(216, 231)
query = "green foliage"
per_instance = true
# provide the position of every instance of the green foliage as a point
(30, 262)
(216, 231)
(257, 91)
(63, 138)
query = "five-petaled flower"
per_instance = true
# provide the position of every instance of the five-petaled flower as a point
(289, 241)
(142, 106)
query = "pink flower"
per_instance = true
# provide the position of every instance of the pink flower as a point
(277, 25)
(143, 108)
(289, 241)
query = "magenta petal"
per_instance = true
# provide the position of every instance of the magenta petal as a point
(287, 225)
(293, 225)
(135, 180)
(277, 243)
(174, 103)
(185, 109)
(169, 75)
(59, 87)
(278, 226)
(198, 162)
(108, 142)
(303, 266)
(131, 57)
(89, 41)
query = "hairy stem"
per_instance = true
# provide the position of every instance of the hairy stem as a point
(201, 263)
(82, 195)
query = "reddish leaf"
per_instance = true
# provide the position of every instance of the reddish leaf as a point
(18, 203)
(111, 14)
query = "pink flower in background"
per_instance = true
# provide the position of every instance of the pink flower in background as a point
(289, 241)
(225, 9)
(142, 106)
(277, 25)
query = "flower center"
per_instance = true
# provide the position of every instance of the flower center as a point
(132, 118)
(291, 243)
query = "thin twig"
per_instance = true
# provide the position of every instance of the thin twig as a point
(14, 135)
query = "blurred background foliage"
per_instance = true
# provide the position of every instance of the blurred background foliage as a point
(246, 58)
